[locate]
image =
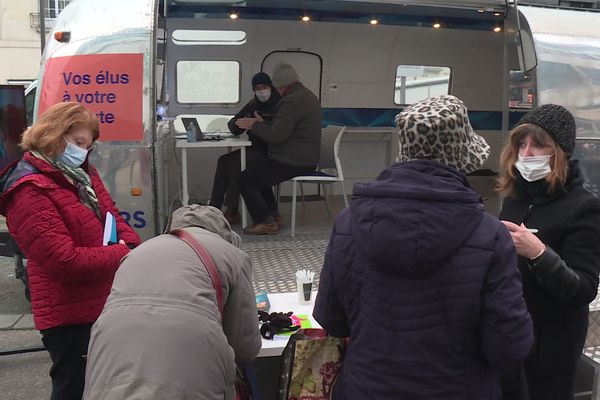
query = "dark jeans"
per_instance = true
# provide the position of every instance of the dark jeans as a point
(67, 345)
(226, 184)
(256, 183)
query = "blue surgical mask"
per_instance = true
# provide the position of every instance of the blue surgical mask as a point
(73, 155)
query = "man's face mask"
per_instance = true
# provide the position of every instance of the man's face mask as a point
(73, 155)
(263, 95)
(534, 168)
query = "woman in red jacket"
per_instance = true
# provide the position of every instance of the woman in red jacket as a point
(55, 205)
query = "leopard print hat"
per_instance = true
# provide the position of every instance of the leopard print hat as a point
(438, 128)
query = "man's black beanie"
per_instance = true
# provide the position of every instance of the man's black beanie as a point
(557, 121)
(261, 79)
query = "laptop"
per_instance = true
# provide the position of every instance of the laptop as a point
(189, 123)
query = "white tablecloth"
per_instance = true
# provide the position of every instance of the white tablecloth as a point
(284, 302)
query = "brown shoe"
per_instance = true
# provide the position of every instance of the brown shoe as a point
(279, 219)
(262, 229)
(232, 216)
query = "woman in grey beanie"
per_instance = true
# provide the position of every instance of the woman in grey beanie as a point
(555, 226)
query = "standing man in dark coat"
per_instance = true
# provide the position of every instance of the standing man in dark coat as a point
(555, 225)
(294, 138)
(420, 277)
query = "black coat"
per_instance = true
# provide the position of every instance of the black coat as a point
(264, 109)
(560, 286)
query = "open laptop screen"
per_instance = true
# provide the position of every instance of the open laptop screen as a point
(188, 123)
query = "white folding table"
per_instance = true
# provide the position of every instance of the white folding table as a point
(284, 302)
(184, 145)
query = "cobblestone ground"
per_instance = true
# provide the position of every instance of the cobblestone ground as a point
(12, 298)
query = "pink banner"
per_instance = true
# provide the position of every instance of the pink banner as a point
(108, 84)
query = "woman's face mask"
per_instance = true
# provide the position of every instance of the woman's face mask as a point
(534, 168)
(263, 95)
(73, 156)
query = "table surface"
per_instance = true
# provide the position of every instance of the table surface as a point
(284, 302)
(229, 142)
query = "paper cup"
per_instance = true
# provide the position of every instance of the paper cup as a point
(304, 291)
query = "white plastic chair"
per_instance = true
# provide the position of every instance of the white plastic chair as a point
(329, 169)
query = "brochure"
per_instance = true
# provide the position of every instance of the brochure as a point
(110, 230)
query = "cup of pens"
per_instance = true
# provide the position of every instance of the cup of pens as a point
(304, 281)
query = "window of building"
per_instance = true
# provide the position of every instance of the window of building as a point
(208, 82)
(54, 7)
(418, 82)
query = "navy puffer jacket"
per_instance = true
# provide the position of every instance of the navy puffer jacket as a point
(425, 283)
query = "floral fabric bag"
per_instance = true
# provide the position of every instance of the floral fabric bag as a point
(311, 363)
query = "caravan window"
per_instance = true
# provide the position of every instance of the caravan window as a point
(208, 82)
(418, 82)
(187, 37)
(521, 90)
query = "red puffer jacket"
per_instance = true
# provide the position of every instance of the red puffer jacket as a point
(70, 272)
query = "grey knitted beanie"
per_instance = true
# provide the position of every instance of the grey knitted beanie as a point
(283, 75)
(557, 121)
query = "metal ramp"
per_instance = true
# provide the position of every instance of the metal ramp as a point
(275, 259)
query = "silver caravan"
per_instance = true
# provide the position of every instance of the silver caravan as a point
(142, 65)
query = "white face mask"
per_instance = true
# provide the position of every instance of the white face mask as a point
(534, 168)
(263, 95)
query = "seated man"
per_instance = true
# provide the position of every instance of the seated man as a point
(227, 176)
(294, 138)
(160, 334)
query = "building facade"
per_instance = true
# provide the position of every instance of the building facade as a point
(20, 37)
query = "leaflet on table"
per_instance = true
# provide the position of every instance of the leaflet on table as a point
(262, 302)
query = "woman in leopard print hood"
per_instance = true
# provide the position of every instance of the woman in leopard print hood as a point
(432, 299)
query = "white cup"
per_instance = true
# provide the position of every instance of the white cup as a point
(304, 291)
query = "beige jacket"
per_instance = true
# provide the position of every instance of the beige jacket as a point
(159, 335)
